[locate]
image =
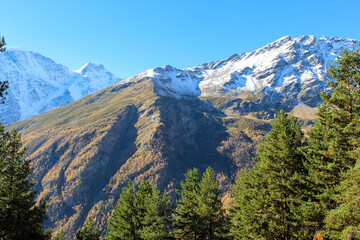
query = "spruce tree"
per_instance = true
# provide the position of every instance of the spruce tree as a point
(187, 222)
(213, 220)
(269, 197)
(20, 216)
(2, 44)
(343, 222)
(250, 203)
(143, 193)
(59, 236)
(5, 84)
(199, 213)
(122, 222)
(156, 221)
(334, 139)
(144, 214)
(87, 232)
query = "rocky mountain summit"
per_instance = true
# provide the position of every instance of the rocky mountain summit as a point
(281, 75)
(38, 84)
(163, 121)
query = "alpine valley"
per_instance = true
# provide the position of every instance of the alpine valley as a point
(157, 124)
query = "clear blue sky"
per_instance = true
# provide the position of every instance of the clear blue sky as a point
(131, 36)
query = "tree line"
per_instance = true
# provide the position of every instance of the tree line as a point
(298, 188)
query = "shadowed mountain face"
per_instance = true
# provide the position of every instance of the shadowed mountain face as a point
(160, 123)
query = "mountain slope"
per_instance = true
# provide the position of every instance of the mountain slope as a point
(38, 84)
(85, 152)
(161, 122)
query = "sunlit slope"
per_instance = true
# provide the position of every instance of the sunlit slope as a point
(85, 152)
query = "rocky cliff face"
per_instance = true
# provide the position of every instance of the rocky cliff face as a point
(160, 123)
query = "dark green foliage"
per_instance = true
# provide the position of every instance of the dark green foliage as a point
(3, 85)
(141, 215)
(269, 197)
(334, 140)
(199, 214)
(213, 221)
(143, 193)
(156, 221)
(87, 232)
(187, 222)
(122, 222)
(20, 216)
(344, 221)
(60, 236)
(2, 44)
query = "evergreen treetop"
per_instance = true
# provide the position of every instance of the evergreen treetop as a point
(343, 222)
(269, 197)
(87, 232)
(142, 214)
(333, 142)
(199, 213)
(20, 216)
(2, 44)
(122, 222)
(186, 222)
(5, 84)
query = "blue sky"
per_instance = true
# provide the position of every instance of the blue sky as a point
(131, 36)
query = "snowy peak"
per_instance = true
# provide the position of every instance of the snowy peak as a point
(94, 77)
(175, 82)
(289, 68)
(38, 84)
(90, 68)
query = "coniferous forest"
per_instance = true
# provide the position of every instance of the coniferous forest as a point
(301, 186)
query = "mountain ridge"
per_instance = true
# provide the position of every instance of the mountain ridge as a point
(274, 71)
(163, 121)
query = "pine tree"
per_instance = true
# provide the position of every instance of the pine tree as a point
(214, 222)
(59, 236)
(334, 139)
(269, 197)
(199, 213)
(187, 221)
(344, 221)
(250, 204)
(144, 214)
(156, 222)
(20, 216)
(5, 84)
(87, 232)
(122, 222)
(2, 44)
(143, 193)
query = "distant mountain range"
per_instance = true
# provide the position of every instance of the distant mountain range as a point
(38, 84)
(163, 121)
(291, 69)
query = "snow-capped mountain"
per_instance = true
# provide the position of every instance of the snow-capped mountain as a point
(287, 69)
(282, 74)
(156, 125)
(38, 84)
